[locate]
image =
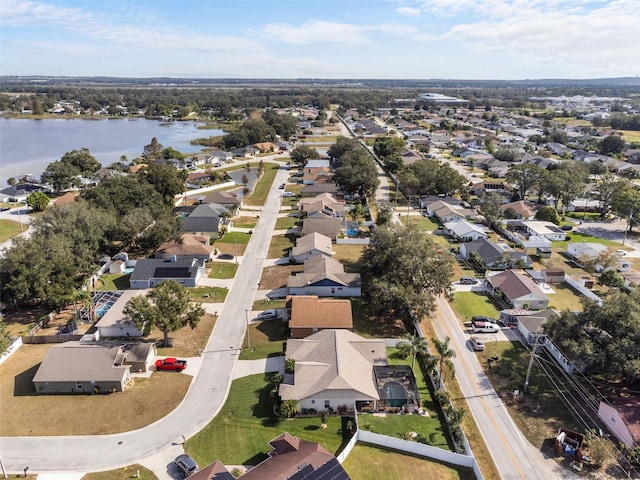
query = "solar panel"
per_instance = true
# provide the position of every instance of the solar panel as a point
(172, 272)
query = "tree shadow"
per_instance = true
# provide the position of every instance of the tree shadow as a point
(23, 383)
(256, 459)
(274, 330)
(265, 404)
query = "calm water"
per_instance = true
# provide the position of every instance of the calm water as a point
(28, 146)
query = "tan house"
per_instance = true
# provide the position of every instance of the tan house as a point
(75, 367)
(332, 368)
(519, 290)
(266, 147)
(189, 246)
(311, 245)
(309, 314)
(324, 277)
(231, 200)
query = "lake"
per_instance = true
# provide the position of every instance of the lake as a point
(28, 145)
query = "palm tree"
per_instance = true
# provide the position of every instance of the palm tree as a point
(414, 346)
(445, 354)
(289, 408)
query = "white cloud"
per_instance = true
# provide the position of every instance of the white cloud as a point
(408, 11)
(316, 32)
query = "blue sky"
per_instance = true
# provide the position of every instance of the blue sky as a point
(417, 39)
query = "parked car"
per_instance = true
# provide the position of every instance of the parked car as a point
(171, 364)
(225, 256)
(288, 194)
(268, 314)
(566, 228)
(4, 209)
(468, 281)
(282, 186)
(482, 318)
(484, 327)
(621, 252)
(186, 465)
(477, 344)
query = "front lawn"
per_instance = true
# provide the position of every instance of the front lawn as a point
(9, 229)
(285, 223)
(245, 222)
(241, 238)
(276, 276)
(240, 433)
(468, 304)
(424, 223)
(369, 461)
(124, 473)
(209, 294)
(222, 270)
(349, 256)
(564, 298)
(281, 245)
(25, 413)
(267, 303)
(267, 339)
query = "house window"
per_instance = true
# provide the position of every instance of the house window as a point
(327, 404)
(313, 401)
(79, 385)
(93, 382)
(333, 290)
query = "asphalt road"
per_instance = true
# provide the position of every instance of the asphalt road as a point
(513, 455)
(203, 401)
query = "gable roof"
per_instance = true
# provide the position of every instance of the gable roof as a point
(462, 228)
(524, 208)
(310, 311)
(515, 286)
(333, 360)
(312, 241)
(214, 471)
(320, 268)
(68, 197)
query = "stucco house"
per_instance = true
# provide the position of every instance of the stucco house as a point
(149, 272)
(230, 200)
(332, 368)
(309, 314)
(546, 230)
(311, 245)
(328, 226)
(581, 253)
(518, 290)
(325, 277)
(75, 367)
(114, 323)
(189, 246)
(205, 218)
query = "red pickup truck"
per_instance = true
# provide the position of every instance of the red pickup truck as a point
(171, 363)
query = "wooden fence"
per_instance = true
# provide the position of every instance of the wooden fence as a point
(40, 339)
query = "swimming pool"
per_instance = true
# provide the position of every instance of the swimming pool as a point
(396, 394)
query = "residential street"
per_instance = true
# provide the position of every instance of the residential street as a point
(204, 399)
(513, 455)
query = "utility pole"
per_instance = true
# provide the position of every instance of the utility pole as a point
(246, 313)
(533, 354)
(624, 239)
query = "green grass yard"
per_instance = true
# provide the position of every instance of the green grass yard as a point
(576, 237)
(261, 190)
(280, 245)
(208, 294)
(113, 281)
(240, 433)
(222, 270)
(267, 339)
(285, 223)
(9, 229)
(468, 304)
(369, 461)
(422, 222)
(124, 473)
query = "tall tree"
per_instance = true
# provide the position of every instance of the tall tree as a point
(165, 179)
(152, 150)
(403, 270)
(357, 173)
(490, 207)
(445, 354)
(302, 153)
(166, 307)
(608, 188)
(414, 346)
(611, 145)
(524, 177)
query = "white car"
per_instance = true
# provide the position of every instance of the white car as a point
(621, 252)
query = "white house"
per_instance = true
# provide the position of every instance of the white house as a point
(465, 231)
(311, 245)
(519, 290)
(546, 230)
(325, 277)
(583, 252)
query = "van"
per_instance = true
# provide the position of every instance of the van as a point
(288, 194)
(484, 327)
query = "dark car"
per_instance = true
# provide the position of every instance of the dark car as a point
(482, 318)
(4, 209)
(468, 281)
(186, 465)
(566, 228)
(225, 256)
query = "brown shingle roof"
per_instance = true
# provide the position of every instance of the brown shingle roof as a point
(320, 268)
(514, 285)
(188, 245)
(311, 311)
